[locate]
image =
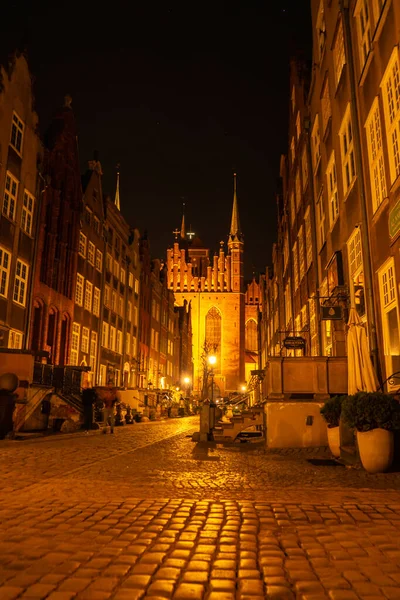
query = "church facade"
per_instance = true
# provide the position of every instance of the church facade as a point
(214, 287)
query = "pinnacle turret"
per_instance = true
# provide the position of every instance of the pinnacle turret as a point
(235, 231)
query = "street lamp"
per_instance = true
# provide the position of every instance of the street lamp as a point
(212, 359)
(243, 388)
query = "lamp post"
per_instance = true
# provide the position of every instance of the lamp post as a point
(212, 359)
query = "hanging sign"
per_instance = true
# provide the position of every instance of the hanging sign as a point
(331, 313)
(294, 343)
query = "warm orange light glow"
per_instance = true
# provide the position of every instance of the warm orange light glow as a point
(212, 359)
(187, 380)
(243, 388)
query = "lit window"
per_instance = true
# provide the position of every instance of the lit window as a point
(302, 264)
(375, 154)
(120, 306)
(76, 330)
(15, 339)
(213, 333)
(96, 302)
(21, 282)
(251, 343)
(130, 280)
(136, 286)
(27, 212)
(356, 272)
(119, 342)
(122, 276)
(339, 56)
(390, 323)
(326, 108)
(391, 101)
(295, 266)
(321, 30)
(85, 340)
(109, 262)
(135, 315)
(309, 244)
(91, 253)
(104, 334)
(93, 351)
(82, 244)
(113, 301)
(332, 190)
(347, 152)
(116, 269)
(17, 133)
(88, 295)
(111, 343)
(107, 295)
(99, 260)
(103, 375)
(5, 261)
(315, 144)
(128, 343)
(320, 214)
(313, 327)
(79, 289)
(10, 196)
(288, 303)
(363, 30)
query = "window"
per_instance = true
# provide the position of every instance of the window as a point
(79, 289)
(129, 315)
(130, 280)
(315, 144)
(391, 103)
(288, 303)
(120, 306)
(91, 253)
(119, 342)
(298, 126)
(135, 315)
(15, 339)
(103, 375)
(251, 343)
(88, 295)
(128, 343)
(109, 262)
(295, 266)
(76, 330)
(390, 321)
(82, 244)
(332, 190)
(313, 327)
(21, 282)
(302, 263)
(116, 269)
(27, 212)
(363, 31)
(114, 301)
(136, 286)
(10, 196)
(117, 377)
(104, 334)
(107, 295)
(285, 252)
(375, 154)
(99, 260)
(96, 225)
(85, 340)
(88, 215)
(4, 271)
(17, 133)
(292, 208)
(309, 245)
(347, 149)
(298, 190)
(111, 343)
(213, 333)
(320, 214)
(304, 168)
(354, 251)
(321, 30)
(96, 302)
(326, 108)
(93, 351)
(122, 276)
(339, 56)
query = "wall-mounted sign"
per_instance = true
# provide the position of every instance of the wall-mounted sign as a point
(331, 313)
(394, 219)
(335, 272)
(293, 342)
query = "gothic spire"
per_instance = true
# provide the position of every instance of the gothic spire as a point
(235, 231)
(116, 201)
(183, 230)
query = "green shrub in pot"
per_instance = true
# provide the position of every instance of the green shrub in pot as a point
(332, 410)
(371, 410)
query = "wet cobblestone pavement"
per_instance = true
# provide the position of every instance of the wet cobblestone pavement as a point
(147, 513)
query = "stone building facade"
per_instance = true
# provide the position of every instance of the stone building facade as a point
(20, 190)
(214, 288)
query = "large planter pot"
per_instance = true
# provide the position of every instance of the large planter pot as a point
(376, 449)
(334, 441)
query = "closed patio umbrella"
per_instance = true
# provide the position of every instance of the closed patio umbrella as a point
(361, 372)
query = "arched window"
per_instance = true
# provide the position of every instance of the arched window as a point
(213, 333)
(251, 336)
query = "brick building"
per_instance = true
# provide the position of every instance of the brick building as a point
(20, 187)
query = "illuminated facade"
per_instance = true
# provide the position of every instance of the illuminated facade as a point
(214, 288)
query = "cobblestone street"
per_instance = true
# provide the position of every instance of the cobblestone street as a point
(147, 513)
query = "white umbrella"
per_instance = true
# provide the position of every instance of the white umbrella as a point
(361, 372)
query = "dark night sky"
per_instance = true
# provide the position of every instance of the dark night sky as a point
(181, 94)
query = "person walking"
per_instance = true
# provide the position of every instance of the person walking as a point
(108, 411)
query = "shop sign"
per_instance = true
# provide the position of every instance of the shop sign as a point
(294, 343)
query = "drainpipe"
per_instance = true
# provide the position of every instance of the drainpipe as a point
(371, 320)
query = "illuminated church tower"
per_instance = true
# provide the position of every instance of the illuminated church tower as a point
(214, 286)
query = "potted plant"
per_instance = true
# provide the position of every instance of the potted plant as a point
(374, 415)
(331, 412)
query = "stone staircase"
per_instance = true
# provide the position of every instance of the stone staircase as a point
(229, 431)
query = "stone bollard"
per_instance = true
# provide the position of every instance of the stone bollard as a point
(205, 422)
